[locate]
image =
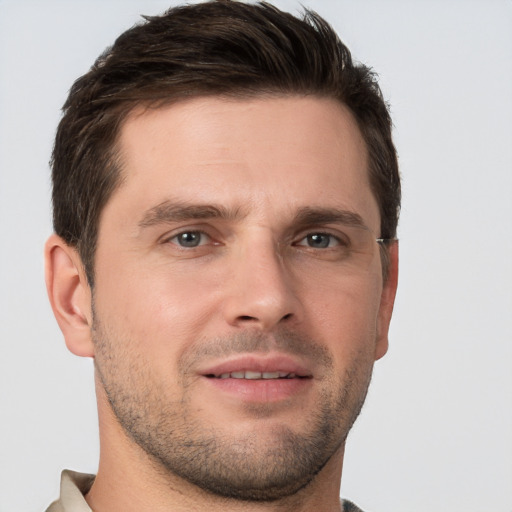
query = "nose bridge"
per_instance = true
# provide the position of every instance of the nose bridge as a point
(261, 290)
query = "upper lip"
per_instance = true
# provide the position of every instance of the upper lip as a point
(258, 363)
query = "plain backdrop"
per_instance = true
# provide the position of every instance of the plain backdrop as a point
(436, 431)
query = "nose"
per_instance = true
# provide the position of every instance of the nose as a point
(261, 291)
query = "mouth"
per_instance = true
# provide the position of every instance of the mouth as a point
(257, 375)
(255, 378)
(258, 367)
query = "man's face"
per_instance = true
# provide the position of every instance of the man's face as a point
(235, 326)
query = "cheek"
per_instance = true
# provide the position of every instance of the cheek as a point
(345, 315)
(158, 308)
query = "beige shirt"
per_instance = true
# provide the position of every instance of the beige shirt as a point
(74, 486)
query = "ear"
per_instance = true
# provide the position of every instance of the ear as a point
(387, 301)
(69, 294)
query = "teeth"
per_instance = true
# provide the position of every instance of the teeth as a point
(252, 375)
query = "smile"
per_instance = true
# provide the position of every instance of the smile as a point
(255, 375)
(257, 378)
(257, 367)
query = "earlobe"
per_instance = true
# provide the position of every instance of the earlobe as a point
(69, 294)
(387, 302)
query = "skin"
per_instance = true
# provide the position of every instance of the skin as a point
(163, 315)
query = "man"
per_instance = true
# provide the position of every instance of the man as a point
(226, 196)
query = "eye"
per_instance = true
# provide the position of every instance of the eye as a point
(319, 241)
(190, 239)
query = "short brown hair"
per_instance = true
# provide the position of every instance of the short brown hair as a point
(220, 47)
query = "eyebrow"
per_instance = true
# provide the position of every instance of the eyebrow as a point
(310, 216)
(170, 211)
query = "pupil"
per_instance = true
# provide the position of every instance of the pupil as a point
(319, 240)
(190, 239)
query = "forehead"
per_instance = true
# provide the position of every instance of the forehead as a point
(267, 155)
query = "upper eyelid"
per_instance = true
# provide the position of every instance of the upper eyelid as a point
(180, 231)
(338, 232)
(338, 238)
(294, 234)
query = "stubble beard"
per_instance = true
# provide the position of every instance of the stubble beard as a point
(245, 467)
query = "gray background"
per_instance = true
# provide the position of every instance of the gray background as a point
(436, 432)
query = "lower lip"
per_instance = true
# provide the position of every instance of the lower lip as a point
(260, 390)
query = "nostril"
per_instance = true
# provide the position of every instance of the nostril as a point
(248, 318)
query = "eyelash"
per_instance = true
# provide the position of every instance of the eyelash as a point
(338, 240)
(188, 232)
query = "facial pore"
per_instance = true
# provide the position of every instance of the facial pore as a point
(249, 465)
